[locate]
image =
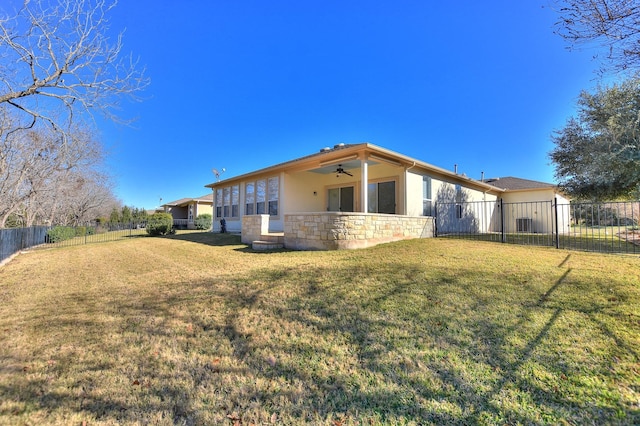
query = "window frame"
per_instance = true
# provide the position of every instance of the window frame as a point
(264, 200)
(427, 196)
(227, 202)
(377, 183)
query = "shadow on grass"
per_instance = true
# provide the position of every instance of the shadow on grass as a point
(207, 238)
(308, 345)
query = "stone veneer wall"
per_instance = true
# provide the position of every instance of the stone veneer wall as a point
(337, 230)
(254, 227)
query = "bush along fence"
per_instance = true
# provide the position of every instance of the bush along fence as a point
(13, 240)
(600, 227)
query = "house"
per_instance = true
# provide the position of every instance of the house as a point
(186, 210)
(359, 195)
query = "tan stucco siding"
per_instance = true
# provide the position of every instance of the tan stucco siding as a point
(464, 211)
(534, 211)
(203, 209)
(414, 194)
(308, 191)
(304, 192)
(529, 196)
(478, 207)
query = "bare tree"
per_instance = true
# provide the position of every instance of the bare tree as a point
(613, 24)
(56, 57)
(36, 168)
(84, 198)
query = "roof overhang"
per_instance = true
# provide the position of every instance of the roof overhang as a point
(350, 157)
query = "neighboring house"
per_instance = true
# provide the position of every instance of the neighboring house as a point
(352, 196)
(186, 210)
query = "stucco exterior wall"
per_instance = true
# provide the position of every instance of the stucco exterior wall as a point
(536, 207)
(337, 230)
(308, 191)
(470, 211)
(304, 192)
(203, 209)
(413, 182)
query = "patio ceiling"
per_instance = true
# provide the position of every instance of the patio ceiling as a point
(347, 165)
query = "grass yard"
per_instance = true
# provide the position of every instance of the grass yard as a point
(198, 329)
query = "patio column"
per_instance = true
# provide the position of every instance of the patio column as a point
(364, 193)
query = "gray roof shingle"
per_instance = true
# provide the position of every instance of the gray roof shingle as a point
(514, 183)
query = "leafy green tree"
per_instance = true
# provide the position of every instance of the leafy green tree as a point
(597, 153)
(139, 215)
(114, 217)
(126, 216)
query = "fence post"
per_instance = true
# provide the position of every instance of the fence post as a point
(503, 236)
(435, 219)
(554, 203)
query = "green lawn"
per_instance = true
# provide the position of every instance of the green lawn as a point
(596, 239)
(199, 329)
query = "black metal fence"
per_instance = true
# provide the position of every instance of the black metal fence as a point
(601, 227)
(13, 240)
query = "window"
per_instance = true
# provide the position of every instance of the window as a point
(262, 196)
(382, 197)
(219, 202)
(459, 196)
(274, 191)
(227, 201)
(341, 199)
(235, 200)
(250, 198)
(426, 196)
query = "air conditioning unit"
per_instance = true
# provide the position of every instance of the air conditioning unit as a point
(524, 224)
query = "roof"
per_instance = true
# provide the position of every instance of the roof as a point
(511, 183)
(203, 199)
(344, 153)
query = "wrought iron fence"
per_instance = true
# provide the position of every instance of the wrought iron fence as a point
(601, 227)
(13, 240)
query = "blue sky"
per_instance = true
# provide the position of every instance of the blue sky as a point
(243, 85)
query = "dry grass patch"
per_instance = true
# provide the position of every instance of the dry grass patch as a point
(199, 329)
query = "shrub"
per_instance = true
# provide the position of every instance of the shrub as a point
(160, 224)
(203, 221)
(60, 233)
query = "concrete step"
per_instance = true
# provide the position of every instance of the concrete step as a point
(261, 245)
(273, 237)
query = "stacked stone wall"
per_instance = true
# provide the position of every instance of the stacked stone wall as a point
(253, 227)
(336, 230)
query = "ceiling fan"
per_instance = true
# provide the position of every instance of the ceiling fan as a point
(340, 171)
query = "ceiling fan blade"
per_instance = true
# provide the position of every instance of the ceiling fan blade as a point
(340, 170)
